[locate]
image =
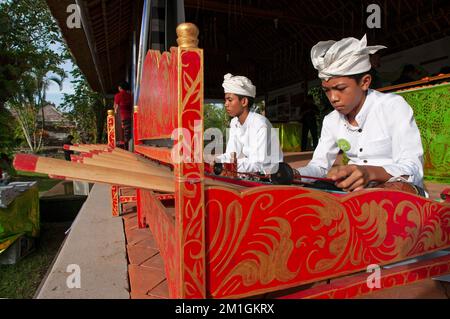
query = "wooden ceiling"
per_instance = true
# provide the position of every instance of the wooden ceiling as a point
(103, 49)
(270, 41)
(266, 40)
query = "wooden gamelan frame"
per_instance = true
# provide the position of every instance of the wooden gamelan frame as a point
(219, 242)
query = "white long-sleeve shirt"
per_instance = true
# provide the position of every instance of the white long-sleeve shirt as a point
(386, 136)
(255, 143)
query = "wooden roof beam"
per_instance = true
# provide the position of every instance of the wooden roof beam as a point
(106, 31)
(215, 6)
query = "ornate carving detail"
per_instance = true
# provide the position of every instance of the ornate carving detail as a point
(111, 129)
(269, 238)
(158, 97)
(189, 192)
(115, 200)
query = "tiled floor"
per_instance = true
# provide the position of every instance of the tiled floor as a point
(146, 267)
(147, 277)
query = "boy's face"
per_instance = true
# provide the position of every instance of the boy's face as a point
(233, 105)
(344, 93)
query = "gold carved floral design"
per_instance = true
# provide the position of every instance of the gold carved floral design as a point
(270, 237)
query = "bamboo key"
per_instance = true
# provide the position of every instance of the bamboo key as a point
(133, 160)
(104, 150)
(93, 173)
(115, 151)
(92, 147)
(114, 155)
(103, 147)
(140, 167)
(103, 156)
(149, 179)
(87, 148)
(117, 163)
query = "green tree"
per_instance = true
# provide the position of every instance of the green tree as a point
(27, 30)
(86, 108)
(29, 63)
(323, 105)
(29, 104)
(215, 116)
(7, 133)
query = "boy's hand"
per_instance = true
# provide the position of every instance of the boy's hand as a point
(350, 177)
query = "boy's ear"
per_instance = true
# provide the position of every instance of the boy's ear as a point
(244, 101)
(365, 81)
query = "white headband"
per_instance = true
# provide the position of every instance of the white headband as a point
(348, 56)
(239, 85)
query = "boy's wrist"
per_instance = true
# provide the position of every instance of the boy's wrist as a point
(372, 176)
(377, 174)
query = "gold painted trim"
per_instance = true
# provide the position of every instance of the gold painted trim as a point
(179, 199)
(386, 277)
(283, 287)
(155, 137)
(250, 190)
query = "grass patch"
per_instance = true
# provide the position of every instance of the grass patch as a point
(44, 182)
(20, 281)
(31, 174)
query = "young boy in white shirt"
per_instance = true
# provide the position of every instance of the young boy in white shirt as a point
(376, 131)
(251, 135)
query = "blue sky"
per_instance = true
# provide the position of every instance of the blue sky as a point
(54, 94)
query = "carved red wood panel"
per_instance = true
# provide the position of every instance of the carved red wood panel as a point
(189, 190)
(271, 238)
(158, 96)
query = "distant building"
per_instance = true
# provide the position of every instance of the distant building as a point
(56, 127)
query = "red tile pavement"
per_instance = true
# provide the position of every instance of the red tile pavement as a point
(143, 280)
(137, 255)
(129, 215)
(147, 242)
(145, 265)
(160, 291)
(155, 262)
(136, 235)
(135, 295)
(130, 223)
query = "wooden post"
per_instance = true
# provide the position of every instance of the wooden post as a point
(189, 183)
(111, 127)
(135, 125)
(139, 211)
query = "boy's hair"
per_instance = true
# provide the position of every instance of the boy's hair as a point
(251, 100)
(359, 76)
(124, 85)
